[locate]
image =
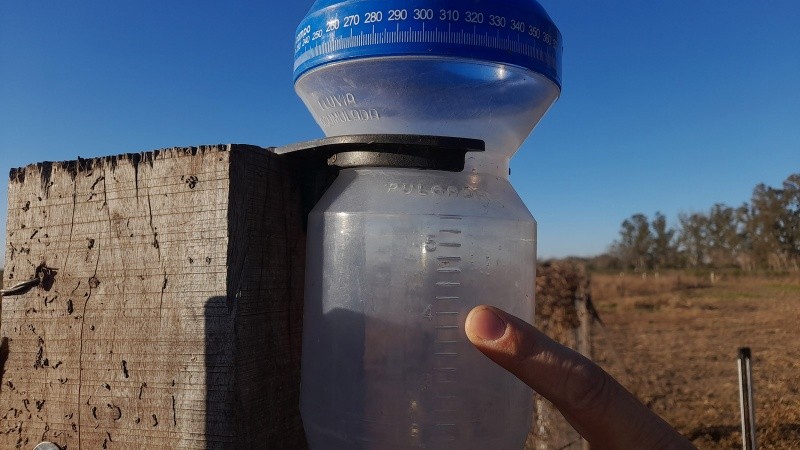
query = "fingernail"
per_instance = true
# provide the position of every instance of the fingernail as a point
(488, 325)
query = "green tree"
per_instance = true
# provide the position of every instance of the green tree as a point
(693, 240)
(790, 236)
(664, 250)
(744, 218)
(634, 245)
(775, 224)
(724, 237)
(764, 233)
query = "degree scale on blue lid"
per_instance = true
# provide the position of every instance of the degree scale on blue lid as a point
(505, 31)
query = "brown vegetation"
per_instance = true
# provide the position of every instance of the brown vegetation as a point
(672, 339)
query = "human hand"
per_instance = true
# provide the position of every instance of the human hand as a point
(592, 401)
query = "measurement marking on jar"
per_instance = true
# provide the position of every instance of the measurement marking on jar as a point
(449, 258)
(533, 39)
(448, 326)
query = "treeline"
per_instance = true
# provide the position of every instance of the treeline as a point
(762, 234)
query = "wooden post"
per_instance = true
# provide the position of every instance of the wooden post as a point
(172, 317)
(583, 333)
(559, 286)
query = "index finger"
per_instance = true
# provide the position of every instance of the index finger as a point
(599, 408)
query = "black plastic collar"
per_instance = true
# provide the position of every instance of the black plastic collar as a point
(388, 150)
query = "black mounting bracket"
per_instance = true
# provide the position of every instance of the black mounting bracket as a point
(318, 162)
(387, 150)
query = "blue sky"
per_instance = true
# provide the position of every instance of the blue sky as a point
(668, 106)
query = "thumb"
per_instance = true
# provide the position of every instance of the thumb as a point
(599, 408)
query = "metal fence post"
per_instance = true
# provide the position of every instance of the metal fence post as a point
(746, 399)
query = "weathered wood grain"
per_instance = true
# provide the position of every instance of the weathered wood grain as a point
(174, 316)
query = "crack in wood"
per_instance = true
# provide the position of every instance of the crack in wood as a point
(80, 347)
(135, 159)
(107, 439)
(3, 358)
(116, 412)
(38, 362)
(99, 179)
(152, 227)
(161, 297)
(72, 220)
(46, 430)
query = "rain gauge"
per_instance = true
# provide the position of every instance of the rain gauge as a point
(423, 103)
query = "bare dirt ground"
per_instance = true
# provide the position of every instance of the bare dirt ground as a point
(673, 341)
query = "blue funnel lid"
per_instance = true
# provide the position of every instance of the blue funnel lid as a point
(516, 32)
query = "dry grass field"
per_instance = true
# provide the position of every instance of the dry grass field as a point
(672, 340)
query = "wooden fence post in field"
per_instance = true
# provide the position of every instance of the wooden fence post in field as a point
(172, 312)
(562, 296)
